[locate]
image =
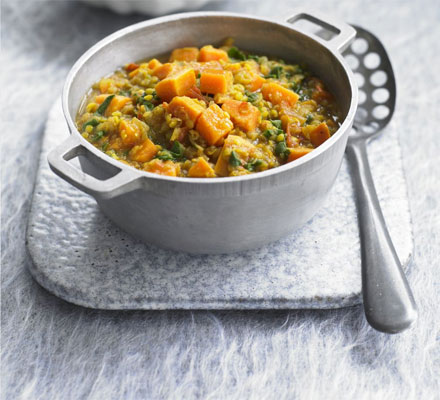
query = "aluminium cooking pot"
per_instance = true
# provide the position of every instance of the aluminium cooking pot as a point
(213, 215)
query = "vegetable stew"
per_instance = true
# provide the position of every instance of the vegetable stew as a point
(208, 112)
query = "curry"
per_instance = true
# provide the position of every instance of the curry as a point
(208, 112)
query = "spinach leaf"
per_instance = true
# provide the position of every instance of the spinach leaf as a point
(93, 122)
(234, 160)
(281, 149)
(275, 72)
(175, 153)
(98, 135)
(277, 123)
(236, 54)
(101, 109)
(252, 97)
(252, 165)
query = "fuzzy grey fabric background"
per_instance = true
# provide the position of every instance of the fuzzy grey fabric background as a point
(54, 350)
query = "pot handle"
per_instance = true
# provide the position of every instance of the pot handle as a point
(58, 158)
(344, 33)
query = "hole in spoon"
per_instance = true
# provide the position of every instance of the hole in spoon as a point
(381, 112)
(378, 78)
(361, 115)
(370, 128)
(381, 95)
(359, 46)
(352, 61)
(372, 60)
(360, 80)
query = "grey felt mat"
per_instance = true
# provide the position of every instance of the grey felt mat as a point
(82, 257)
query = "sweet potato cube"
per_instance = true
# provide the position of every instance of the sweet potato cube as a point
(215, 81)
(243, 148)
(153, 64)
(214, 124)
(319, 134)
(185, 108)
(243, 114)
(201, 169)
(176, 84)
(298, 152)
(256, 82)
(143, 152)
(163, 70)
(209, 53)
(185, 54)
(278, 94)
(131, 131)
(117, 103)
(160, 167)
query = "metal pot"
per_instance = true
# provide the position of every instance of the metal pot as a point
(215, 215)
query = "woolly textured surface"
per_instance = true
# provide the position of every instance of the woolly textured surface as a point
(95, 264)
(55, 350)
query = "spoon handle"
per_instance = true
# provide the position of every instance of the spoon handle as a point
(388, 302)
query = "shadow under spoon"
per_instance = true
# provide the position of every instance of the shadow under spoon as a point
(388, 302)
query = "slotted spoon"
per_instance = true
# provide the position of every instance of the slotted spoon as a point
(388, 302)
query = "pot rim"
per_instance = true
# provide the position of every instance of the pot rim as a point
(197, 181)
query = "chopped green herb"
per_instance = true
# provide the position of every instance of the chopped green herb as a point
(253, 57)
(147, 104)
(236, 54)
(252, 97)
(93, 122)
(277, 123)
(281, 149)
(104, 146)
(98, 135)
(234, 160)
(177, 149)
(296, 87)
(126, 93)
(275, 72)
(268, 133)
(101, 109)
(165, 155)
(199, 75)
(309, 119)
(125, 152)
(252, 165)
(176, 152)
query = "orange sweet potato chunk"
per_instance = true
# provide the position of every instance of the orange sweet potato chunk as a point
(201, 169)
(215, 81)
(236, 143)
(209, 53)
(160, 167)
(131, 131)
(214, 124)
(297, 152)
(185, 108)
(185, 54)
(320, 134)
(154, 63)
(163, 70)
(117, 103)
(278, 94)
(176, 84)
(243, 114)
(256, 82)
(143, 152)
